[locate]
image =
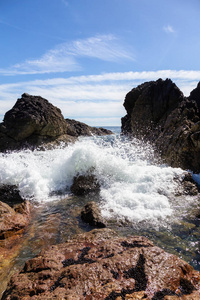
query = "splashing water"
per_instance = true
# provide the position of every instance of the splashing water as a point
(133, 185)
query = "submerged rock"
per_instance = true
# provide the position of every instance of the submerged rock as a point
(91, 214)
(100, 265)
(85, 184)
(157, 111)
(34, 121)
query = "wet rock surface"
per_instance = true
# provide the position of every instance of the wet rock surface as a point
(14, 211)
(157, 111)
(91, 214)
(34, 121)
(10, 194)
(13, 223)
(84, 184)
(100, 265)
(12, 220)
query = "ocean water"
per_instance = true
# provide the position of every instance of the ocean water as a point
(138, 195)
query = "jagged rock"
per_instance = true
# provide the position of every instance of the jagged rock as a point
(91, 214)
(190, 186)
(158, 112)
(195, 95)
(100, 265)
(76, 128)
(84, 184)
(33, 122)
(186, 185)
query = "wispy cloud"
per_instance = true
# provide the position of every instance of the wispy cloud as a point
(64, 57)
(169, 29)
(94, 99)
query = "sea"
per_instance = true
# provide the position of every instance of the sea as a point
(139, 194)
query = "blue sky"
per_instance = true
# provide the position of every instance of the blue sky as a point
(85, 55)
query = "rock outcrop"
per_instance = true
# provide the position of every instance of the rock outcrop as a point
(14, 211)
(100, 265)
(76, 128)
(157, 111)
(13, 221)
(84, 184)
(10, 195)
(33, 122)
(91, 214)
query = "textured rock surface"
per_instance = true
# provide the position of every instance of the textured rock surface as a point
(33, 121)
(157, 111)
(91, 214)
(76, 128)
(99, 265)
(84, 184)
(12, 220)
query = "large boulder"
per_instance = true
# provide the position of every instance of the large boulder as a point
(100, 265)
(157, 111)
(33, 122)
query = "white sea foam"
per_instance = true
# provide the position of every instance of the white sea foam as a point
(132, 185)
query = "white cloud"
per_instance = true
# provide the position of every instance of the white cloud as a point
(96, 98)
(64, 57)
(169, 29)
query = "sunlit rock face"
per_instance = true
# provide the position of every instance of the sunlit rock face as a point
(157, 111)
(100, 265)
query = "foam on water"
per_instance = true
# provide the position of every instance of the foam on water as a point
(132, 185)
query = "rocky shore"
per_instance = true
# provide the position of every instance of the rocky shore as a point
(99, 264)
(157, 111)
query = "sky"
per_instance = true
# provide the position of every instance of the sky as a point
(84, 56)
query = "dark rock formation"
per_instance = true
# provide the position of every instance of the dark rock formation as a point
(84, 184)
(158, 112)
(33, 121)
(195, 95)
(99, 265)
(190, 186)
(76, 128)
(10, 195)
(91, 214)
